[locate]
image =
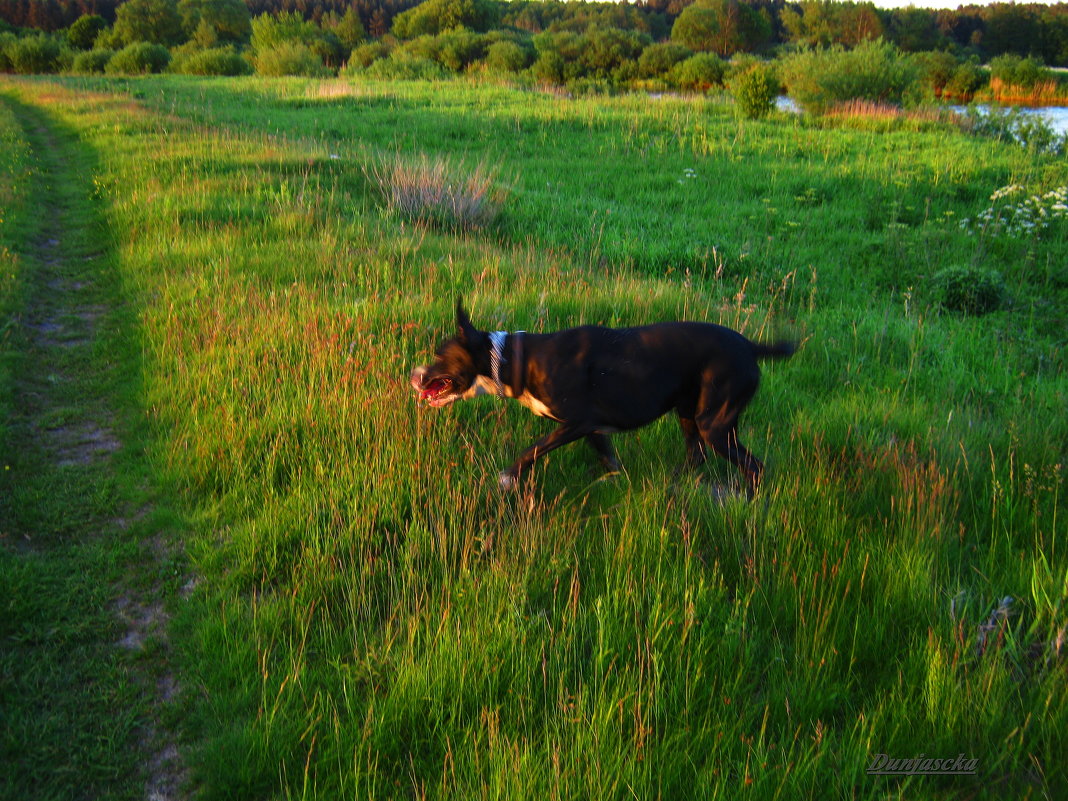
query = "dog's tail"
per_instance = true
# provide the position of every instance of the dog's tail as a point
(774, 350)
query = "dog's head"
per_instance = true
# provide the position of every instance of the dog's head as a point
(460, 361)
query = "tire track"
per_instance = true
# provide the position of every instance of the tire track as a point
(66, 431)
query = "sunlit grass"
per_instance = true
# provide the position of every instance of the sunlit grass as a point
(373, 618)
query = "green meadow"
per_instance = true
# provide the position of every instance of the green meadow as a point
(353, 607)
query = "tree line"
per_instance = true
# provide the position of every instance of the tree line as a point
(721, 26)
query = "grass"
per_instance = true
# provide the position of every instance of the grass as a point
(373, 618)
(435, 192)
(75, 708)
(1044, 93)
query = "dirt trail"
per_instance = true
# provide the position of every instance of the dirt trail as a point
(66, 415)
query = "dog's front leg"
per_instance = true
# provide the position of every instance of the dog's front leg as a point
(601, 444)
(564, 434)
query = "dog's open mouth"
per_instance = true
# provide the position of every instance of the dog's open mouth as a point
(437, 392)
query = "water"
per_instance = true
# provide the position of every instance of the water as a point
(1056, 116)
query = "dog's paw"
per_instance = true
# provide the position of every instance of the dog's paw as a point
(508, 481)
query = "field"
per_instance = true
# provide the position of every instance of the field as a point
(329, 597)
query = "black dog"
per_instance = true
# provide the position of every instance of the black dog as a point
(595, 381)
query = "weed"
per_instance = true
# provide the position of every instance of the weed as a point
(436, 191)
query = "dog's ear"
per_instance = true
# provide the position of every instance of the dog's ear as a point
(467, 332)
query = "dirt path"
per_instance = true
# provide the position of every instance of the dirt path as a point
(80, 519)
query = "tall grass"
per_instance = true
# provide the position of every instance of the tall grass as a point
(437, 192)
(1041, 93)
(372, 618)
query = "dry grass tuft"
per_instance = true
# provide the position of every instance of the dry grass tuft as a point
(432, 190)
(868, 109)
(1043, 93)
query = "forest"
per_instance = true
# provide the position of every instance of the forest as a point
(985, 31)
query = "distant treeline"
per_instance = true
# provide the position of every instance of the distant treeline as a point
(728, 26)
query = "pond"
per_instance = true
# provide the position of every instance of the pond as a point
(1056, 116)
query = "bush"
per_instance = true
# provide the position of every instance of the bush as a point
(967, 79)
(139, 58)
(507, 56)
(92, 61)
(968, 289)
(755, 90)
(936, 70)
(874, 70)
(290, 58)
(1016, 71)
(284, 42)
(7, 41)
(458, 49)
(548, 68)
(699, 72)
(214, 61)
(364, 56)
(34, 55)
(657, 60)
(401, 66)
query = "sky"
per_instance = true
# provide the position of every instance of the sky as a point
(943, 3)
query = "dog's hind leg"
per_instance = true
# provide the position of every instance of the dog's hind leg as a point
(726, 444)
(603, 446)
(695, 448)
(717, 421)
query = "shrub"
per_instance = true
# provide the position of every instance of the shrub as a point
(874, 70)
(755, 90)
(612, 53)
(1016, 71)
(7, 41)
(275, 38)
(549, 67)
(458, 49)
(936, 70)
(967, 79)
(214, 61)
(363, 56)
(968, 289)
(699, 73)
(290, 58)
(139, 58)
(657, 60)
(436, 192)
(34, 55)
(401, 66)
(505, 56)
(92, 61)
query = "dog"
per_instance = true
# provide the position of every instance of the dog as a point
(595, 381)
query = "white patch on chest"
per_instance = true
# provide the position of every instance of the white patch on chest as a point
(536, 406)
(483, 386)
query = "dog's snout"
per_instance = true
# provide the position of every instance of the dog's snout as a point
(416, 377)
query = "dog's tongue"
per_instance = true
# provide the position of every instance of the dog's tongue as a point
(435, 387)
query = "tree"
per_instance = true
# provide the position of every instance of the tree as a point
(436, 16)
(349, 29)
(84, 31)
(156, 21)
(228, 20)
(721, 26)
(821, 24)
